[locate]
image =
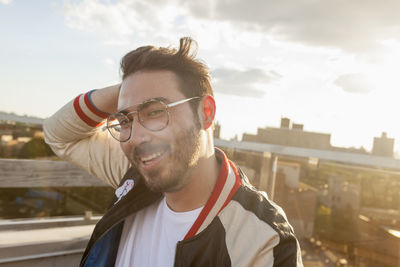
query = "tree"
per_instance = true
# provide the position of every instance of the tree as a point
(34, 149)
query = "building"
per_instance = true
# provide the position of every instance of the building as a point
(16, 131)
(293, 134)
(290, 135)
(342, 194)
(217, 130)
(297, 199)
(383, 146)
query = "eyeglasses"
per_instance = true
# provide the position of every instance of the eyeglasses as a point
(152, 115)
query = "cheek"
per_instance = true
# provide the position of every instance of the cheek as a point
(173, 134)
(166, 136)
(185, 119)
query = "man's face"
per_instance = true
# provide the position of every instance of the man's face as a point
(164, 158)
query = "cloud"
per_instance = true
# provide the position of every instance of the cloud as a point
(120, 21)
(354, 26)
(6, 2)
(357, 25)
(355, 83)
(242, 82)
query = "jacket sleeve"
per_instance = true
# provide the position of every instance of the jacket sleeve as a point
(257, 232)
(75, 134)
(286, 254)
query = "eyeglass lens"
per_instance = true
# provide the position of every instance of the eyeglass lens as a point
(152, 115)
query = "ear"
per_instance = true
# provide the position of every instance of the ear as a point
(208, 110)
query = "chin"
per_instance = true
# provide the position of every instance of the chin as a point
(165, 184)
(156, 187)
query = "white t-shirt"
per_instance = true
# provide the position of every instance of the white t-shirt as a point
(149, 237)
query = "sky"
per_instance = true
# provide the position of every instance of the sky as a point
(330, 65)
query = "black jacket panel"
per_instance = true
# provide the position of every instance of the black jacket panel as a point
(205, 249)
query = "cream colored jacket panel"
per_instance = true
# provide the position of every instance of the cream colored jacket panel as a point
(72, 134)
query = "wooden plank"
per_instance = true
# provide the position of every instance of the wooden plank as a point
(43, 173)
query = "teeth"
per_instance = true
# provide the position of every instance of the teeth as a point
(152, 156)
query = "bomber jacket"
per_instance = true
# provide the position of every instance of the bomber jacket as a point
(238, 226)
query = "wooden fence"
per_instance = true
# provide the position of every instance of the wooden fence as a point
(43, 173)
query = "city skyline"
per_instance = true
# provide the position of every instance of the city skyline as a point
(330, 65)
(4, 116)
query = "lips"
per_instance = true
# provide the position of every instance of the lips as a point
(149, 158)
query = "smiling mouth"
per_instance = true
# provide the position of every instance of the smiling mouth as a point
(150, 159)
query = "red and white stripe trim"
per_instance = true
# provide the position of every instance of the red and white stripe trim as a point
(227, 184)
(87, 112)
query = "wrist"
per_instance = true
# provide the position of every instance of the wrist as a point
(105, 100)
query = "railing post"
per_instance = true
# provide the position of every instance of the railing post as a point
(264, 171)
(272, 175)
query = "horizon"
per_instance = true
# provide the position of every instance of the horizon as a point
(396, 153)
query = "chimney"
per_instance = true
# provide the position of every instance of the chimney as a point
(285, 123)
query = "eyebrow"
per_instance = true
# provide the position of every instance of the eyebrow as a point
(127, 110)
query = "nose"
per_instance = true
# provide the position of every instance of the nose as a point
(139, 134)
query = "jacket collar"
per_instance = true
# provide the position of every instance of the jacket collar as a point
(227, 184)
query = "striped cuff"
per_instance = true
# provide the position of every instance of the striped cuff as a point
(87, 112)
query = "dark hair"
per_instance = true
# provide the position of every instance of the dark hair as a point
(193, 75)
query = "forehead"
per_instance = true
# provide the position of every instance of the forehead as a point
(144, 85)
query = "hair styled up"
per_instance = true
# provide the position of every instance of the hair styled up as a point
(193, 75)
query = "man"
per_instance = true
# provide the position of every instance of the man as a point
(179, 200)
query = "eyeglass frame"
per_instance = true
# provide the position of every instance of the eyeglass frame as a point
(167, 107)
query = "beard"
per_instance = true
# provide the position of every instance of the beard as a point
(174, 174)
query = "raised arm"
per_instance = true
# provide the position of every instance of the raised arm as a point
(76, 134)
(106, 99)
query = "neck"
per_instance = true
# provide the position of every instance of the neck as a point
(195, 194)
